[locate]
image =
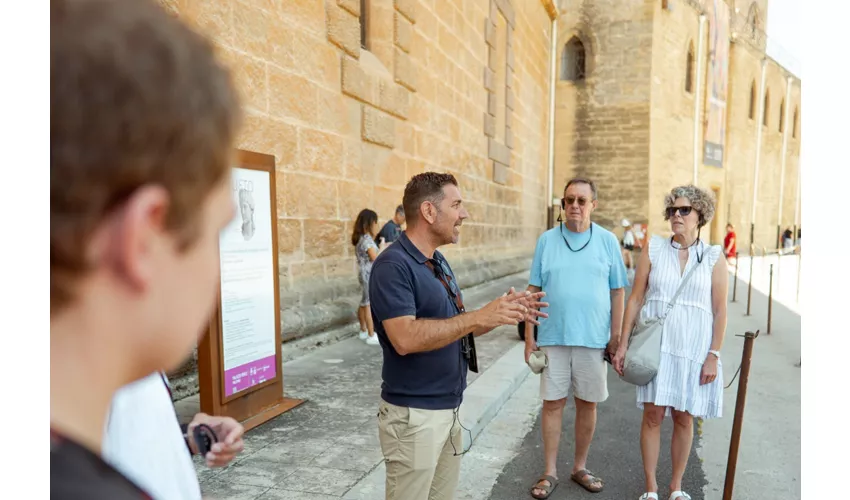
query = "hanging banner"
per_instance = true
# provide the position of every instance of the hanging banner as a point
(717, 81)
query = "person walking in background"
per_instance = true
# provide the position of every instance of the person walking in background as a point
(628, 243)
(787, 241)
(392, 229)
(730, 244)
(689, 382)
(580, 268)
(366, 251)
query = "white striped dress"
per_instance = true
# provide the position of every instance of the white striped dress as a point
(687, 332)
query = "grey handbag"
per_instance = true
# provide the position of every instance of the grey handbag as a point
(644, 352)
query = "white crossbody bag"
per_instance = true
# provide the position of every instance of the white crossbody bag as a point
(644, 352)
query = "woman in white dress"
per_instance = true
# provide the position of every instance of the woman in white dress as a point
(689, 382)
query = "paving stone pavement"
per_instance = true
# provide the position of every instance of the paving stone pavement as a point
(328, 447)
(322, 448)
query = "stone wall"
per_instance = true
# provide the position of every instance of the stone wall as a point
(348, 126)
(630, 125)
(745, 71)
(602, 123)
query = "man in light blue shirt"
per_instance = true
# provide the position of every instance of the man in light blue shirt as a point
(580, 267)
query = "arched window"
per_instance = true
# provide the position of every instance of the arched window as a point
(753, 20)
(689, 70)
(752, 113)
(573, 61)
(782, 116)
(794, 124)
(766, 110)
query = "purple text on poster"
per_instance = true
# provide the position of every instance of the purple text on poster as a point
(248, 375)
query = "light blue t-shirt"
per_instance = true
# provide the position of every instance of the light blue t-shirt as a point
(578, 285)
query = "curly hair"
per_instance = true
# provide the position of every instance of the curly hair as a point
(702, 200)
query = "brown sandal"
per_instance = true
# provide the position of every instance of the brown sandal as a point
(588, 480)
(547, 490)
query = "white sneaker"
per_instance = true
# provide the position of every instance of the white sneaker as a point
(373, 340)
(364, 335)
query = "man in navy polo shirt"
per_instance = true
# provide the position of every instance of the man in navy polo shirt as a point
(420, 327)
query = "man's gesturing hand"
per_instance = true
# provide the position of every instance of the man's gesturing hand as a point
(531, 300)
(506, 310)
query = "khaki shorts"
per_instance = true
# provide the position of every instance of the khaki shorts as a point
(581, 368)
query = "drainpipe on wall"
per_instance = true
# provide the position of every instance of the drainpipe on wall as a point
(797, 203)
(698, 97)
(552, 78)
(759, 121)
(782, 167)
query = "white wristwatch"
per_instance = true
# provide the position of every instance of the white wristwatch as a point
(716, 353)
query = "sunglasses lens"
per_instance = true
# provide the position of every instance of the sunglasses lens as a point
(581, 201)
(683, 211)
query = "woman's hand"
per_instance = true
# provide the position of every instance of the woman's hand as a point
(619, 359)
(709, 370)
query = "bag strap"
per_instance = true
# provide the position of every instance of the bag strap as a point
(679, 290)
(444, 279)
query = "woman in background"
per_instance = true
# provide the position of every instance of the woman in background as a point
(730, 244)
(366, 251)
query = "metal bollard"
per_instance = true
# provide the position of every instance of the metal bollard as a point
(770, 300)
(738, 421)
(735, 284)
(750, 285)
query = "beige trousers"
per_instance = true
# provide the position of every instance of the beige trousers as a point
(420, 459)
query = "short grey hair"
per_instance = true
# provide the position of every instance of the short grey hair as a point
(701, 199)
(399, 210)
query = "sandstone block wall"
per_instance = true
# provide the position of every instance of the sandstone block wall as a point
(630, 125)
(349, 125)
(745, 70)
(603, 123)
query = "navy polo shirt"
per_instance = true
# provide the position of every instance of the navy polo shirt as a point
(402, 285)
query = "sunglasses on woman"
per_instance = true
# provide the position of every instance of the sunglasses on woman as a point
(683, 211)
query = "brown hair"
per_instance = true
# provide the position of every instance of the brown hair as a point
(427, 186)
(363, 224)
(136, 98)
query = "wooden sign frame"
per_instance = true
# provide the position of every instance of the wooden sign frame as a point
(259, 403)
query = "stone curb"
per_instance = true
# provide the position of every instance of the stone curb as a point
(482, 400)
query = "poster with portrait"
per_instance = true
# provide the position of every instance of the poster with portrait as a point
(246, 250)
(717, 81)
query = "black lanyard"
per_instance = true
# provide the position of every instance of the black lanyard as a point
(568, 243)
